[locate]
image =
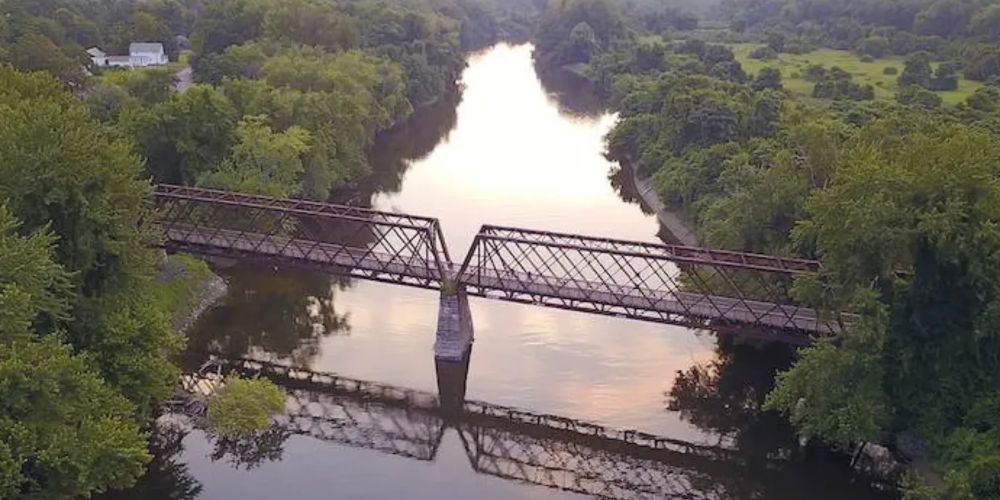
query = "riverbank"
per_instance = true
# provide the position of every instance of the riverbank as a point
(187, 287)
(650, 199)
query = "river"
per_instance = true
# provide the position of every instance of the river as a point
(508, 150)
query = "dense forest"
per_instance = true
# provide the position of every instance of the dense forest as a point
(286, 100)
(899, 198)
(291, 92)
(863, 133)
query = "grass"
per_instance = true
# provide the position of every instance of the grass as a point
(176, 290)
(792, 65)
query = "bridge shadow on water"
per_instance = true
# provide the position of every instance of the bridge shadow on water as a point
(509, 443)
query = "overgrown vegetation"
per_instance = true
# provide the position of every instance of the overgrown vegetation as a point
(85, 346)
(288, 98)
(898, 198)
(864, 133)
(244, 406)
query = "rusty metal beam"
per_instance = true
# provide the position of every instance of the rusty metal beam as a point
(721, 290)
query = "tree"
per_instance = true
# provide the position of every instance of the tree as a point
(986, 99)
(874, 46)
(837, 85)
(981, 61)
(768, 78)
(918, 96)
(312, 24)
(34, 289)
(185, 136)
(225, 23)
(61, 170)
(834, 394)
(106, 101)
(763, 53)
(36, 52)
(944, 77)
(583, 43)
(262, 161)
(910, 218)
(943, 18)
(916, 71)
(986, 23)
(63, 432)
(244, 406)
(151, 86)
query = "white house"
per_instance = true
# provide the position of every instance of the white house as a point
(147, 54)
(97, 56)
(140, 55)
(119, 61)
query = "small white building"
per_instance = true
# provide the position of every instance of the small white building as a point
(141, 55)
(145, 54)
(119, 62)
(98, 56)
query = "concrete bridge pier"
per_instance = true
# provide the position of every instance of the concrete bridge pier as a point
(451, 381)
(454, 330)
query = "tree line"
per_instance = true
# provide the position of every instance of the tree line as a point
(964, 31)
(288, 97)
(898, 199)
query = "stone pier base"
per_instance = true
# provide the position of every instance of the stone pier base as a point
(451, 382)
(454, 331)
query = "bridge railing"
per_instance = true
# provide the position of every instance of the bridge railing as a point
(355, 241)
(674, 284)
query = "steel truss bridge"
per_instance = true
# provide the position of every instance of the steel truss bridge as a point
(513, 444)
(682, 285)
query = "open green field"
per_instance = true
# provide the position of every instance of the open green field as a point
(794, 65)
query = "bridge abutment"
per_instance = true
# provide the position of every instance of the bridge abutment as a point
(454, 330)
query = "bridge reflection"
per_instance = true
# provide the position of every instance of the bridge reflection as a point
(500, 441)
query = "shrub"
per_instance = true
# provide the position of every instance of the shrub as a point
(984, 477)
(764, 53)
(815, 73)
(797, 48)
(867, 59)
(244, 406)
(890, 70)
(915, 95)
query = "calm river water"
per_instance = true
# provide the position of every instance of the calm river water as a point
(508, 150)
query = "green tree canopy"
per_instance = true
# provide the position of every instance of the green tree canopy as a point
(262, 161)
(63, 432)
(60, 170)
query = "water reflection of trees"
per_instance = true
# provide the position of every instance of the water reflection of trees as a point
(724, 396)
(397, 148)
(251, 450)
(572, 93)
(166, 477)
(277, 314)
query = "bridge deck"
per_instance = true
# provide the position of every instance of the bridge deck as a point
(572, 294)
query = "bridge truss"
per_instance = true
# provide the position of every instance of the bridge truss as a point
(690, 286)
(357, 242)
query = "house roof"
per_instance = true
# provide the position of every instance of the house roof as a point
(145, 47)
(96, 52)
